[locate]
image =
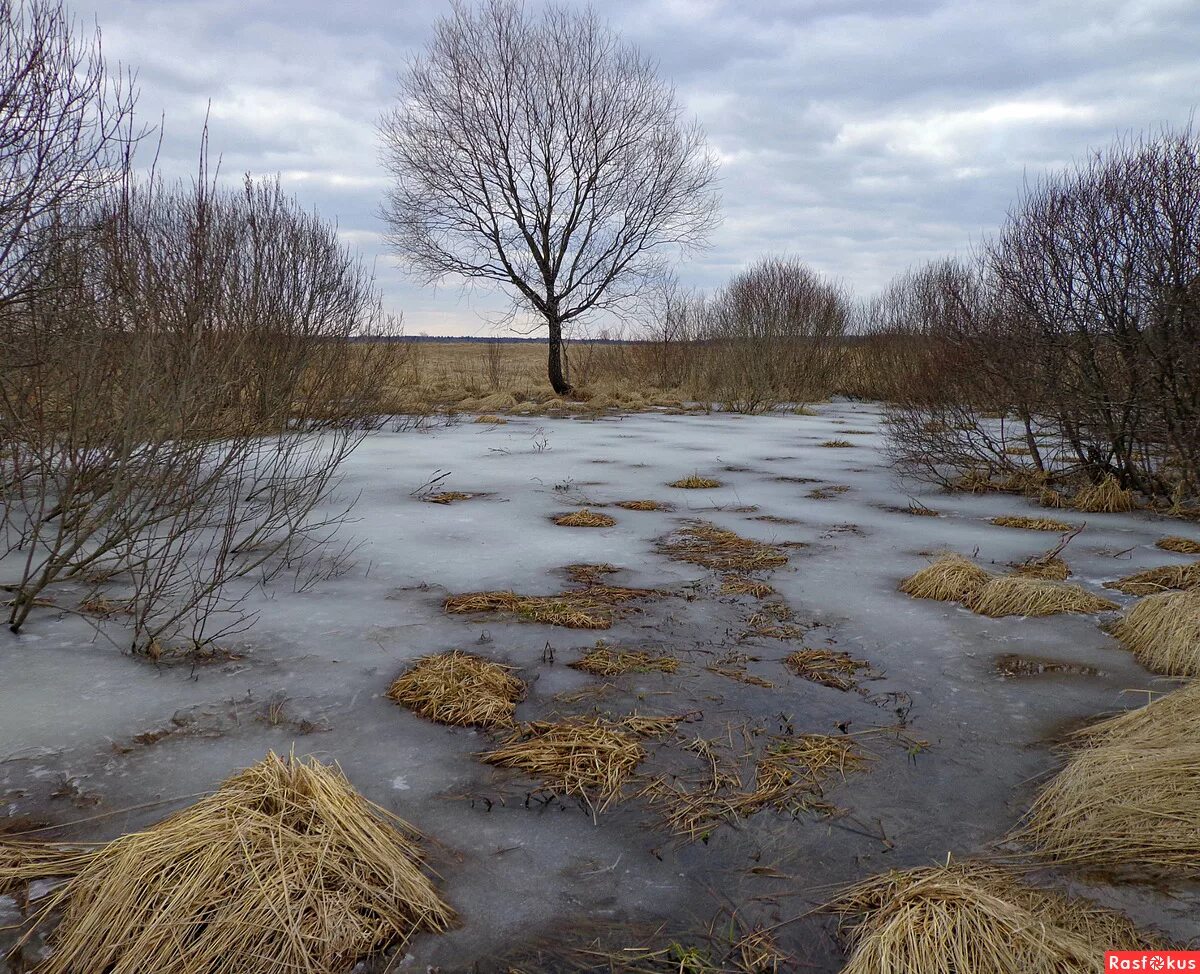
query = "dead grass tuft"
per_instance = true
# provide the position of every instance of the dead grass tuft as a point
(601, 660)
(447, 497)
(973, 917)
(1183, 546)
(1032, 523)
(1022, 595)
(715, 548)
(1162, 579)
(584, 518)
(741, 585)
(826, 667)
(461, 689)
(952, 578)
(1054, 569)
(585, 574)
(1163, 632)
(284, 867)
(837, 444)
(491, 420)
(1106, 497)
(1129, 796)
(644, 505)
(583, 756)
(695, 482)
(593, 607)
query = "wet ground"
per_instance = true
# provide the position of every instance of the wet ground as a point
(958, 715)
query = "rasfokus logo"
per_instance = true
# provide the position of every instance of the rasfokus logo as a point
(1152, 961)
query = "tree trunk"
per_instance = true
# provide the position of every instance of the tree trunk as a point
(559, 383)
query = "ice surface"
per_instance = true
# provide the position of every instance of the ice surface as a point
(89, 734)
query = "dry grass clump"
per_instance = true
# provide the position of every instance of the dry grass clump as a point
(1106, 497)
(826, 667)
(695, 482)
(643, 505)
(1163, 632)
(600, 660)
(583, 756)
(711, 547)
(1162, 579)
(837, 444)
(1031, 523)
(1022, 595)
(583, 518)
(1054, 569)
(976, 918)
(741, 585)
(593, 607)
(284, 868)
(491, 420)
(585, 574)
(1184, 546)
(447, 497)
(461, 689)
(1129, 797)
(952, 578)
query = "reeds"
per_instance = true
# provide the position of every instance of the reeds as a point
(1183, 546)
(1031, 523)
(976, 918)
(460, 689)
(1022, 595)
(594, 607)
(601, 660)
(1106, 497)
(586, 757)
(951, 578)
(583, 518)
(826, 667)
(1163, 632)
(284, 868)
(715, 548)
(1162, 579)
(695, 482)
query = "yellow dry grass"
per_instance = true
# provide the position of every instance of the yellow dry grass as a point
(1054, 569)
(826, 667)
(837, 444)
(583, 518)
(695, 482)
(974, 918)
(448, 497)
(644, 505)
(586, 757)
(951, 578)
(1183, 546)
(602, 660)
(1022, 595)
(1163, 632)
(1032, 523)
(1129, 796)
(1106, 497)
(491, 419)
(587, 574)
(593, 607)
(1162, 579)
(715, 548)
(741, 585)
(284, 868)
(459, 688)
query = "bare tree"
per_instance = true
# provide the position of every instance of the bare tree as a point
(545, 154)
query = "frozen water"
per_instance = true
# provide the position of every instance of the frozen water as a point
(90, 735)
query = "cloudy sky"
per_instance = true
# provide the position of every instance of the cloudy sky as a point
(863, 136)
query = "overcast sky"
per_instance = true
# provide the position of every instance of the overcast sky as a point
(864, 136)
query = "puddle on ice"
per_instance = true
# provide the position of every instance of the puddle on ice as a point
(953, 749)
